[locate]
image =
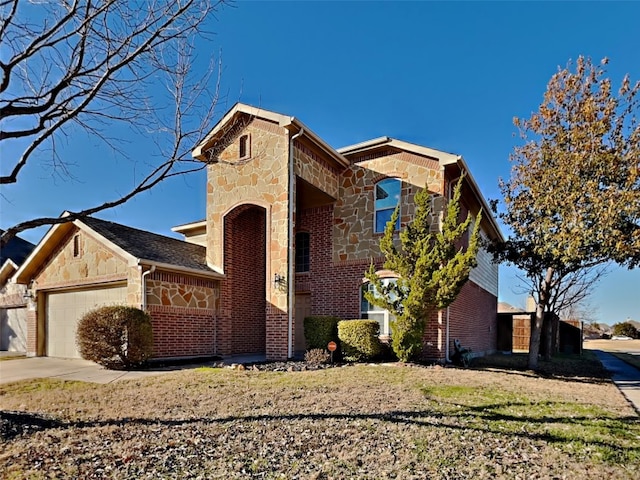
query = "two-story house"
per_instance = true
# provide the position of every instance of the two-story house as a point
(291, 226)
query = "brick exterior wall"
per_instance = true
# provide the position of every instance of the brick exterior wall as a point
(244, 317)
(32, 332)
(182, 332)
(474, 319)
(335, 290)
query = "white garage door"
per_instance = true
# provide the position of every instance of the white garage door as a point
(13, 329)
(65, 309)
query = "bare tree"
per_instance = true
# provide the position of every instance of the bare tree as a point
(568, 292)
(83, 65)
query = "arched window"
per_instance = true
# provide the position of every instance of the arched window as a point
(387, 198)
(372, 312)
(303, 252)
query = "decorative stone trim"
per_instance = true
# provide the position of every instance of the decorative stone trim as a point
(183, 279)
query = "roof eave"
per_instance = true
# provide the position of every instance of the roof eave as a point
(324, 146)
(44, 248)
(7, 270)
(180, 269)
(285, 121)
(189, 226)
(478, 194)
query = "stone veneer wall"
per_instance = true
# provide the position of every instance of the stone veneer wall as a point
(353, 230)
(314, 169)
(94, 264)
(183, 312)
(262, 180)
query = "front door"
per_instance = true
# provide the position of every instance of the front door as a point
(303, 309)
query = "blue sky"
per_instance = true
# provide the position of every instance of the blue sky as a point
(449, 75)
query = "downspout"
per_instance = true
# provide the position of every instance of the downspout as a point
(446, 337)
(144, 286)
(290, 251)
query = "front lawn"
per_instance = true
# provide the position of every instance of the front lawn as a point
(383, 421)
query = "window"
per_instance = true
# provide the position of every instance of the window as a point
(244, 146)
(302, 252)
(76, 246)
(387, 198)
(372, 312)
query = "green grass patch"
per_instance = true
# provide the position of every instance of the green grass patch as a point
(581, 430)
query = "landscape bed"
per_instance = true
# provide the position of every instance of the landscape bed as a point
(496, 420)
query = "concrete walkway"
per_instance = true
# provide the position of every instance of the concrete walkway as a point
(85, 371)
(626, 377)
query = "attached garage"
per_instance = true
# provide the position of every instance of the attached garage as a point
(64, 310)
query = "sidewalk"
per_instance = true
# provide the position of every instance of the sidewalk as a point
(626, 377)
(85, 371)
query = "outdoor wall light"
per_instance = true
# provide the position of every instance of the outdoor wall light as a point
(278, 280)
(28, 295)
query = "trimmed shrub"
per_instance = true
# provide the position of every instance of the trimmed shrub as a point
(116, 337)
(359, 339)
(317, 356)
(319, 330)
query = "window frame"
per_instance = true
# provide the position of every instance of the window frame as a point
(377, 229)
(244, 143)
(387, 316)
(305, 254)
(76, 246)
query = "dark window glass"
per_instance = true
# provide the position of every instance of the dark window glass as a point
(302, 252)
(244, 146)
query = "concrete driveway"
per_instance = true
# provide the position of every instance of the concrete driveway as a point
(76, 369)
(68, 369)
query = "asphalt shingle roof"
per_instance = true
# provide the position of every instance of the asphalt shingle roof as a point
(151, 246)
(16, 249)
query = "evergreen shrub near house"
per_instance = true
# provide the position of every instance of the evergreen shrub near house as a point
(319, 330)
(117, 337)
(359, 339)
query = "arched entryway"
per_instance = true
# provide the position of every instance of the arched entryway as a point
(243, 293)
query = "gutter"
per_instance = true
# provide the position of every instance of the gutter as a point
(290, 251)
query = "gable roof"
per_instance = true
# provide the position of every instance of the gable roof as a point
(136, 246)
(444, 158)
(151, 247)
(16, 250)
(290, 123)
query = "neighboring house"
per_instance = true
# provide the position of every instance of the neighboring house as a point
(13, 300)
(291, 226)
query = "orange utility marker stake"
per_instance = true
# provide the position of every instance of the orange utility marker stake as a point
(331, 346)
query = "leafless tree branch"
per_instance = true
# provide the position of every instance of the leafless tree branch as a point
(87, 64)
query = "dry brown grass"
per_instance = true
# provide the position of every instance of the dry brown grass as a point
(373, 422)
(612, 345)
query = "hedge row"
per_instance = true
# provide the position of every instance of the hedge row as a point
(357, 339)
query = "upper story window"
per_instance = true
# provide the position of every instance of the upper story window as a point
(386, 200)
(245, 150)
(303, 252)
